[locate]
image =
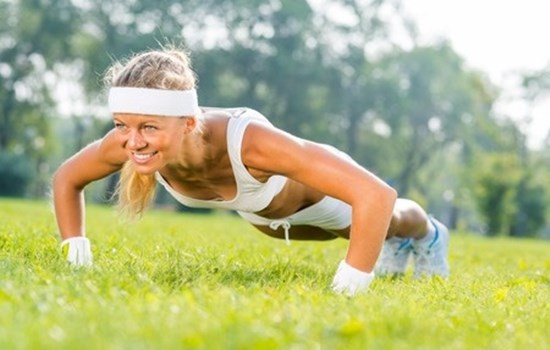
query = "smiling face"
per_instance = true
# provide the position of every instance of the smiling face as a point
(151, 142)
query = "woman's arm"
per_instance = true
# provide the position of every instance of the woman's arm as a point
(372, 200)
(95, 161)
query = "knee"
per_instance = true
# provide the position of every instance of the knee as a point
(409, 218)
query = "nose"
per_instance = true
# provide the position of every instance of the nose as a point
(136, 141)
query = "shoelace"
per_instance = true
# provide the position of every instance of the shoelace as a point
(406, 244)
(430, 246)
(275, 224)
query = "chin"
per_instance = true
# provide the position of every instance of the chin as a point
(145, 170)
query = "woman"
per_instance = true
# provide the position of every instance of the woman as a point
(235, 159)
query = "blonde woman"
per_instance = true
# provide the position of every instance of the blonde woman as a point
(285, 186)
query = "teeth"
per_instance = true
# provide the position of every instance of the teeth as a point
(143, 156)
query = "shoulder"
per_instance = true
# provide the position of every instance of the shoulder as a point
(214, 125)
(266, 147)
(261, 134)
(93, 162)
(236, 124)
(110, 149)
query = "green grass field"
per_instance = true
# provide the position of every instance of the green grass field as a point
(212, 282)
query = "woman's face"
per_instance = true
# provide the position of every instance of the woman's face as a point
(151, 142)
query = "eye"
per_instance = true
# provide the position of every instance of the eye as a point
(149, 128)
(120, 126)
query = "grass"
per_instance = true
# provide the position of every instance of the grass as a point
(211, 282)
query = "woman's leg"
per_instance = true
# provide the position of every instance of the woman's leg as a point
(411, 231)
(409, 220)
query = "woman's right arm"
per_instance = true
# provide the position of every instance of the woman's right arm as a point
(95, 161)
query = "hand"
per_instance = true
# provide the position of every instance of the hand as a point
(350, 281)
(77, 251)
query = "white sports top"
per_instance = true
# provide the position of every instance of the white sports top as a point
(252, 195)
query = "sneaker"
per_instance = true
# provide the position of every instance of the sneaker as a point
(394, 257)
(430, 258)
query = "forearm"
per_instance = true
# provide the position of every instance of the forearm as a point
(68, 201)
(69, 209)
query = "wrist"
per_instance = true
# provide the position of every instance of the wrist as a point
(355, 272)
(73, 239)
(77, 250)
(350, 281)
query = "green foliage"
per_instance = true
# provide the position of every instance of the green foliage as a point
(511, 199)
(31, 43)
(267, 64)
(16, 173)
(509, 184)
(30, 37)
(423, 102)
(537, 83)
(532, 203)
(497, 176)
(180, 281)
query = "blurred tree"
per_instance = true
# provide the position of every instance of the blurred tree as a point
(352, 34)
(16, 172)
(33, 37)
(533, 197)
(423, 101)
(537, 83)
(509, 187)
(531, 206)
(496, 177)
(266, 57)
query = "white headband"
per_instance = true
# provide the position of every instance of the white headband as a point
(169, 103)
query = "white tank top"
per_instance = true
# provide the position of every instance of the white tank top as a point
(252, 195)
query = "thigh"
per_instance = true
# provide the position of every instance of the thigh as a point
(304, 233)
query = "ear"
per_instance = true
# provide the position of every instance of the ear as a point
(190, 123)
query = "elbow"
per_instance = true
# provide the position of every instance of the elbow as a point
(386, 194)
(61, 181)
(378, 195)
(391, 192)
(59, 177)
(58, 180)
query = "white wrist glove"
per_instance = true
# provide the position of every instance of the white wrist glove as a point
(350, 281)
(77, 251)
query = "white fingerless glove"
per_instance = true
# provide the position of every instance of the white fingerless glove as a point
(77, 251)
(350, 281)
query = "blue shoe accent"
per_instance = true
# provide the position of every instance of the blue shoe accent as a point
(394, 257)
(430, 259)
(436, 237)
(406, 244)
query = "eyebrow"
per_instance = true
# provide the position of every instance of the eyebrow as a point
(146, 121)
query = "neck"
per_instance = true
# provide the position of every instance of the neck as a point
(194, 155)
(202, 154)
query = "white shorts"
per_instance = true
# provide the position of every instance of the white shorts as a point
(329, 214)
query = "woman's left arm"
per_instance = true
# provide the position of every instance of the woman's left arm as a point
(372, 200)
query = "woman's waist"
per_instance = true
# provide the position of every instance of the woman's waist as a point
(293, 197)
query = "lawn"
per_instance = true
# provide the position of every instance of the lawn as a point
(175, 280)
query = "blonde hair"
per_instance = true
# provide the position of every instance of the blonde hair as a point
(168, 69)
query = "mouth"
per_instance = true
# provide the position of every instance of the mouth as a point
(142, 158)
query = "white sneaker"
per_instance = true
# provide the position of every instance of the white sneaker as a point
(430, 258)
(394, 257)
